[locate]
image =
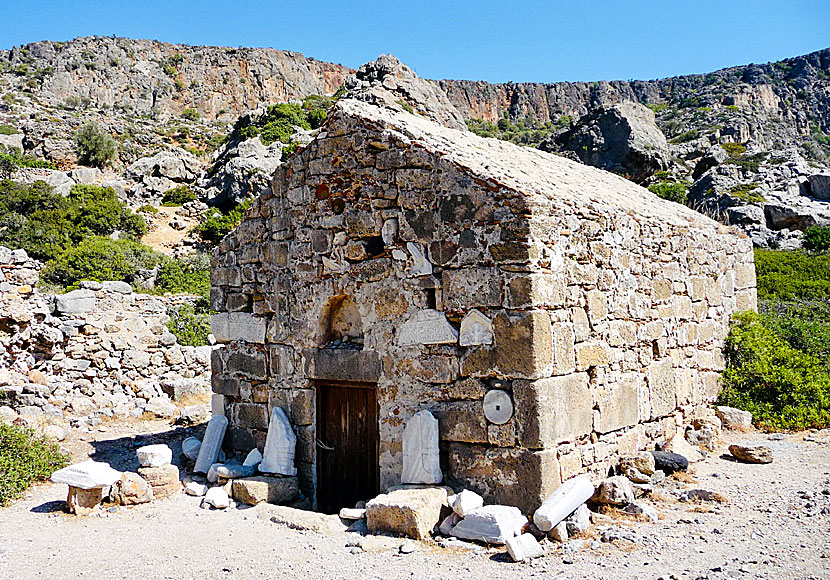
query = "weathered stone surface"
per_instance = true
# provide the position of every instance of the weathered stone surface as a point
(131, 489)
(523, 547)
(618, 405)
(87, 475)
(190, 448)
(297, 519)
(680, 446)
(476, 329)
(409, 512)
(552, 410)
(498, 406)
(75, 302)
(615, 490)
(82, 501)
(421, 463)
(734, 418)
(241, 326)
(642, 462)
(217, 498)
(492, 524)
(164, 480)
(427, 327)
(276, 490)
(196, 489)
(161, 407)
(522, 349)
(211, 444)
(750, 453)
(154, 455)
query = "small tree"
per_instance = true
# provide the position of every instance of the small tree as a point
(94, 146)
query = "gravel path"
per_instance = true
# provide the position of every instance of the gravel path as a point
(771, 527)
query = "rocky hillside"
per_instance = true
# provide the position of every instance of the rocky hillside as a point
(146, 75)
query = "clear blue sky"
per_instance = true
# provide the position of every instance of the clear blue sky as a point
(490, 40)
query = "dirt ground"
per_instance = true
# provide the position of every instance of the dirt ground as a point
(161, 235)
(772, 527)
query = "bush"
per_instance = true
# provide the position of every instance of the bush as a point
(100, 259)
(190, 275)
(685, 137)
(7, 130)
(792, 276)
(676, 191)
(147, 208)
(191, 114)
(817, 239)
(190, 325)
(746, 192)
(783, 387)
(25, 458)
(94, 146)
(45, 224)
(279, 121)
(11, 158)
(217, 224)
(177, 196)
(734, 149)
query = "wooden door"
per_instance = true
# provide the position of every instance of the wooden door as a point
(347, 444)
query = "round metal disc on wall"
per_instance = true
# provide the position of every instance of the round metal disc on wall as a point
(498, 407)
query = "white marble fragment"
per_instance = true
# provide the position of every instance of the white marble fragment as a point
(563, 502)
(389, 231)
(421, 463)
(253, 458)
(492, 524)
(217, 497)
(154, 455)
(498, 406)
(334, 266)
(195, 488)
(420, 265)
(449, 523)
(352, 513)
(87, 475)
(427, 327)
(211, 444)
(475, 329)
(280, 444)
(523, 547)
(464, 502)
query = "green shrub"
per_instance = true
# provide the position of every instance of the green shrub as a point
(177, 196)
(792, 276)
(11, 158)
(279, 121)
(783, 387)
(100, 258)
(745, 192)
(7, 130)
(690, 135)
(217, 224)
(676, 191)
(147, 208)
(45, 224)
(94, 146)
(734, 149)
(817, 239)
(191, 114)
(190, 325)
(190, 275)
(657, 107)
(25, 458)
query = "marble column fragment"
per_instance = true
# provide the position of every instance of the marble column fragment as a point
(211, 444)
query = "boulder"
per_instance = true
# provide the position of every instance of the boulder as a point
(623, 138)
(642, 462)
(641, 508)
(734, 418)
(154, 455)
(131, 489)
(164, 480)
(409, 512)
(750, 453)
(75, 302)
(680, 446)
(579, 521)
(615, 490)
(160, 407)
(669, 462)
(217, 498)
(388, 82)
(466, 501)
(276, 490)
(492, 524)
(820, 186)
(524, 547)
(195, 488)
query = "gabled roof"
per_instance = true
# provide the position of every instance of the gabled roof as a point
(528, 171)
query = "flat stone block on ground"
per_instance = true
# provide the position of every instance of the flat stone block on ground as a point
(276, 490)
(410, 512)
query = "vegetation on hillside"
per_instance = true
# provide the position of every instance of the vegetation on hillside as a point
(94, 146)
(217, 224)
(280, 120)
(523, 131)
(25, 458)
(778, 361)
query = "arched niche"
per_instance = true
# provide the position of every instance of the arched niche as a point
(341, 325)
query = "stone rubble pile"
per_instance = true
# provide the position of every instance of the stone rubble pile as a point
(97, 352)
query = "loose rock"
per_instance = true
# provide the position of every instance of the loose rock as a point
(751, 453)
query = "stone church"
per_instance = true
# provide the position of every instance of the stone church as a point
(550, 315)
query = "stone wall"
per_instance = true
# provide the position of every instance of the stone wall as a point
(99, 351)
(599, 309)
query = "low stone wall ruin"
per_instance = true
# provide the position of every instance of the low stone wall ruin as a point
(99, 351)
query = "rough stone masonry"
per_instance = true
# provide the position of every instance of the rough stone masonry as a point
(440, 267)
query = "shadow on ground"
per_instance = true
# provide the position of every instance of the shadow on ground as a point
(120, 453)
